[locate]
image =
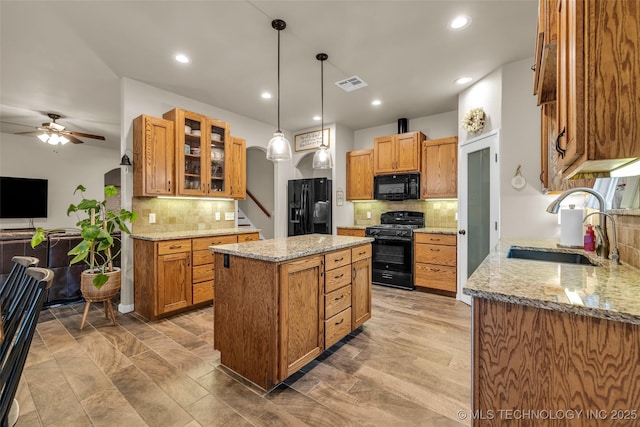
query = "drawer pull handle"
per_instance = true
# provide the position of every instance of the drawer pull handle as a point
(339, 276)
(434, 250)
(435, 240)
(362, 253)
(435, 270)
(340, 322)
(339, 298)
(338, 260)
(175, 246)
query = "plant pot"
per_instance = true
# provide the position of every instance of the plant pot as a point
(106, 292)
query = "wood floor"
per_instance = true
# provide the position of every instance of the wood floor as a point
(409, 365)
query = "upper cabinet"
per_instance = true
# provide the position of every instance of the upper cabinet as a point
(598, 85)
(153, 159)
(397, 153)
(238, 166)
(360, 175)
(545, 68)
(439, 173)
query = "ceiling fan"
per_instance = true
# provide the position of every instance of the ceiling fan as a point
(54, 133)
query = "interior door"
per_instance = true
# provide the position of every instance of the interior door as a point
(478, 210)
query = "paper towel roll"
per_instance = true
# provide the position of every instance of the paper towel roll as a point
(571, 227)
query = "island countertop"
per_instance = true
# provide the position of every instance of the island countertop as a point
(190, 234)
(286, 248)
(606, 291)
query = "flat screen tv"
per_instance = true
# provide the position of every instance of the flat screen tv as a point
(23, 197)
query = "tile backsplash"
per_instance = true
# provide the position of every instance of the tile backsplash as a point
(628, 233)
(437, 213)
(181, 214)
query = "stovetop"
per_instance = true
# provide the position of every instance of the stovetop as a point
(396, 226)
(397, 223)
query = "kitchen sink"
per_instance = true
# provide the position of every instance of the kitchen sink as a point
(542, 255)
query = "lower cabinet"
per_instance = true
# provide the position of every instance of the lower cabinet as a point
(435, 261)
(174, 276)
(360, 285)
(356, 232)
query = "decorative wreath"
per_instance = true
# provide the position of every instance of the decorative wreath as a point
(473, 120)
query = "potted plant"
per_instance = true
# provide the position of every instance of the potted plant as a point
(96, 223)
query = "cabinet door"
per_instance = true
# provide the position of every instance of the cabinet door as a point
(407, 151)
(174, 282)
(383, 155)
(439, 177)
(360, 175)
(302, 313)
(153, 156)
(219, 155)
(238, 168)
(360, 292)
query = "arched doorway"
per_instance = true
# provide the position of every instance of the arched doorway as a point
(259, 204)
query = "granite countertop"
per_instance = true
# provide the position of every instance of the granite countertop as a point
(607, 291)
(24, 234)
(436, 230)
(188, 234)
(287, 248)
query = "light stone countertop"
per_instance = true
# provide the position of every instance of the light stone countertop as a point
(189, 234)
(287, 248)
(606, 291)
(436, 230)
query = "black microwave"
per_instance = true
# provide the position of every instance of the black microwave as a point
(397, 187)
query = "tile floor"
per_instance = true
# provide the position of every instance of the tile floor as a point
(407, 366)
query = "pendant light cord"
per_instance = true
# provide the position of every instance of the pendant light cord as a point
(322, 102)
(279, 81)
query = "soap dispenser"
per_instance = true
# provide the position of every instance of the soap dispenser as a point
(589, 239)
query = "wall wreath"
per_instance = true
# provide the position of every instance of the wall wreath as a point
(473, 120)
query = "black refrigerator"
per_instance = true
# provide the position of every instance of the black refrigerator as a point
(309, 206)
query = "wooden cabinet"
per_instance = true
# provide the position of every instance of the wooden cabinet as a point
(545, 68)
(397, 153)
(360, 285)
(238, 166)
(598, 89)
(342, 231)
(302, 317)
(153, 158)
(204, 267)
(435, 261)
(201, 160)
(360, 175)
(439, 173)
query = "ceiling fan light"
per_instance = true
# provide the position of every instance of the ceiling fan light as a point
(54, 139)
(63, 139)
(278, 148)
(44, 137)
(322, 159)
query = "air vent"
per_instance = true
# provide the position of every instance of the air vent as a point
(352, 83)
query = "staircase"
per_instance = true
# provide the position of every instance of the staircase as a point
(245, 222)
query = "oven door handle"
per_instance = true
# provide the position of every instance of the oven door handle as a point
(392, 239)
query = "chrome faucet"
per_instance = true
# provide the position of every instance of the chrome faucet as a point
(615, 256)
(554, 207)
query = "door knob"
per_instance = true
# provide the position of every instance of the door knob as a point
(462, 232)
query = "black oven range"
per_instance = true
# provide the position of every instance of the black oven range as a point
(392, 250)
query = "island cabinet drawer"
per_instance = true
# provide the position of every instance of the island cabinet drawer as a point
(174, 246)
(435, 239)
(203, 256)
(360, 252)
(337, 301)
(202, 292)
(248, 237)
(205, 242)
(436, 277)
(436, 254)
(356, 232)
(337, 327)
(337, 259)
(202, 273)
(337, 278)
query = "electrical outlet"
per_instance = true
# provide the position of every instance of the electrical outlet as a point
(217, 216)
(229, 216)
(368, 215)
(152, 218)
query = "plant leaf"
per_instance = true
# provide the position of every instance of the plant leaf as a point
(38, 237)
(100, 280)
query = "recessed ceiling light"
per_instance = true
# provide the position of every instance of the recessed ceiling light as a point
(376, 102)
(184, 59)
(266, 95)
(316, 118)
(460, 22)
(462, 80)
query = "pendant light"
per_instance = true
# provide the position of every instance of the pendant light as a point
(322, 157)
(278, 148)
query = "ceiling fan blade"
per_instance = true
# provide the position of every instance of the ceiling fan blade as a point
(84, 135)
(73, 139)
(31, 132)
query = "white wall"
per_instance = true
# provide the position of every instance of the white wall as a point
(64, 166)
(257, 168)
(486, 93)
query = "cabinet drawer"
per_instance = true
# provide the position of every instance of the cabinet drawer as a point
(350, 232)
(337, 327)
(174, 246)
(203, 256)
(203, 292)
(436, 277)
(436, 254)
(337, 259)
(337, 301)
(436, 239)
(249, 237)
(337, 278)
(205, 242)
(202, 273)
(360, 252)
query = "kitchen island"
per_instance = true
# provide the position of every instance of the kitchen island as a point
(554, 343)
(281, 302)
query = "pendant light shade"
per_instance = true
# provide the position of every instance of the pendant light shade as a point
(278, 148)
(322, 157)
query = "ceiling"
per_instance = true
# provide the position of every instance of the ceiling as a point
(67, 57)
